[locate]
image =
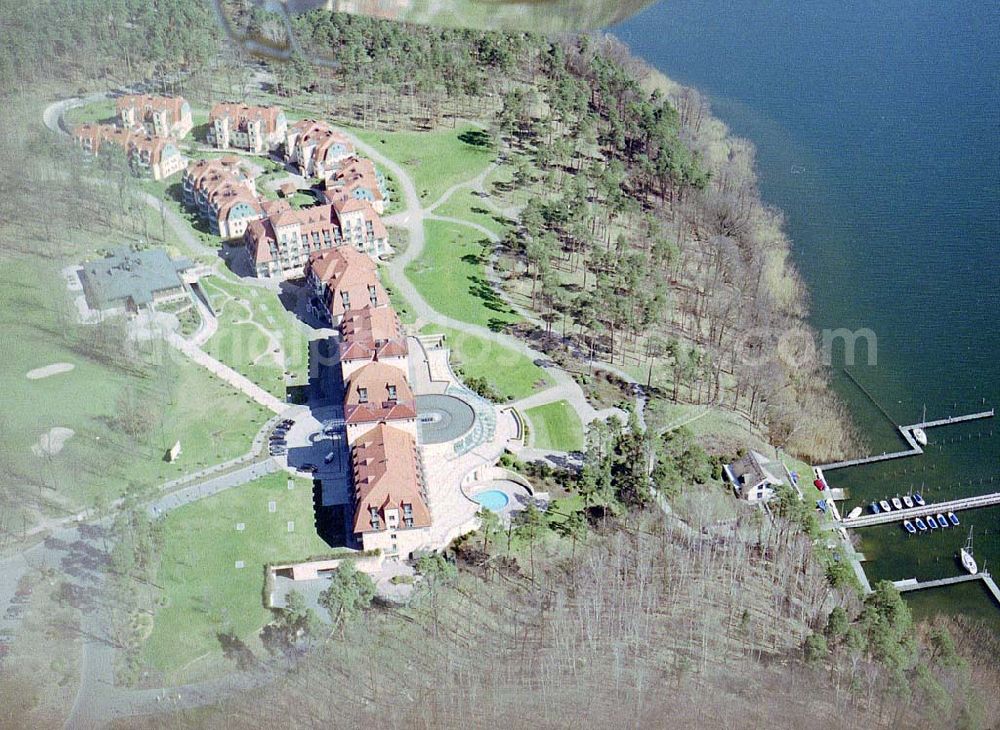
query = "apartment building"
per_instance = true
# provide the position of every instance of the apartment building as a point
(156, 116)
(356, 178)
(147, 155)
(280, 244)
(342, 278)
(315, 147)
(372, 334)
(257, 129)
(378, 393)
(223, 192)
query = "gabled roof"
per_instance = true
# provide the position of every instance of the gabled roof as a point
(754, 469)
(242, 114)
(387, 476)
(371, 333)
(145, 103)
(374, 380)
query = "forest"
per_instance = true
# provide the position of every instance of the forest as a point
(626, 608)
(643, 242)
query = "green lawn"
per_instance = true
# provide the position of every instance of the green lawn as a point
(401, 305)
(450, 276)
(99, 111)
(509, 372)
(466, 205)
(242, 345)
(205, 593)
(435, 160)
(212, 421)
(555, 426)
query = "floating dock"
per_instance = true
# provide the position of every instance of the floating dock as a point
(898, 515)
(907, 433)
(912, 584)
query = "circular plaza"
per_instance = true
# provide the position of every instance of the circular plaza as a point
(442, 418)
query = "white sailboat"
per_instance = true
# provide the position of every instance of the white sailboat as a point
(856, 512)
(918, 433)
(968, 562)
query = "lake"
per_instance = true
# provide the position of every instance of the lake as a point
(876, 125)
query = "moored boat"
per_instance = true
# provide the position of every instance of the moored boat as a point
(965, 554)
(885, 506)
(919, 499)
(931, 522)
(907, 500)
(908, 526)
(874, 508)
(942, 522)
(953, 519)
(897, 503)
(921, 525)
(856, 512)
(920, 436)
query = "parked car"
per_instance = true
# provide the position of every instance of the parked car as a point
(14, 612)
(329, 457)
(278, 452)
(309, 467)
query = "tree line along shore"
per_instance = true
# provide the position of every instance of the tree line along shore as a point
(647, 248)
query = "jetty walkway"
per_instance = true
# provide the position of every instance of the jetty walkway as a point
(912, 584)
(898, 515)
(907, 433)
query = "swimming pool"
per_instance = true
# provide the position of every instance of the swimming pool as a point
(492, 499)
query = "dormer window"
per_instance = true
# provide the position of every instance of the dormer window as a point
(392, 393)
(372, 295)
(345, 297)
(362, 395)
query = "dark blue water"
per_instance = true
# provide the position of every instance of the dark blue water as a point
(877, 126)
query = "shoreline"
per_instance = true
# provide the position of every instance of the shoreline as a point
(782, 272)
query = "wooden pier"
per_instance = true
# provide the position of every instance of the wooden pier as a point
(912, 584)
(907, 434)
(898, 515)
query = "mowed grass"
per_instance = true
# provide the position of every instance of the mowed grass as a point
(186, 402)
(435, 160)
(99, 111)
(450, 276)
(205, 593)
(467, 205)
(555, 426)
(242, 345)
(510, 373)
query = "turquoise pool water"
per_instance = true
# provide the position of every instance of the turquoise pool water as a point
(492, 499)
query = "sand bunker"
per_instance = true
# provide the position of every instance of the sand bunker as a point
(53, 369)
(52, 443)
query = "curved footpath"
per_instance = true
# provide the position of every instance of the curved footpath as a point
(98, 701)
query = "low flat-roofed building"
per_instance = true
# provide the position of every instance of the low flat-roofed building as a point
(390, 503)
(128, 280)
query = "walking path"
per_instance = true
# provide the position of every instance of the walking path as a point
(98, 700)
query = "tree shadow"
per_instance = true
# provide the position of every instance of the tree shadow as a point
(475, 137)
(236, 650)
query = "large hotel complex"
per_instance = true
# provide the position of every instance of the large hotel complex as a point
(332, 245)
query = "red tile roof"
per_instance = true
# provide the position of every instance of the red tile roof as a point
(373, 382)
(370, 333)
(240, 115)
(387, 476)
